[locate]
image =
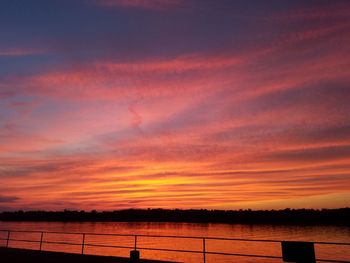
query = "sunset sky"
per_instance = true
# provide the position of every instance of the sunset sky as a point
(217, 104)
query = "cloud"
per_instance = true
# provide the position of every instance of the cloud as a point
(136, 120)
(20, 52)
(8, 199)
(316, 154)
(177, 108)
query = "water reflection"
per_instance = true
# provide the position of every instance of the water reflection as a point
(306, 233)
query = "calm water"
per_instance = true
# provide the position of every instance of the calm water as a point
(306, 233)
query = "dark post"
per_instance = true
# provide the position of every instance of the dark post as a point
(82, 245)
(204, 250)
(298, 252)
(135, 254)
(41, 240)
(8, 238)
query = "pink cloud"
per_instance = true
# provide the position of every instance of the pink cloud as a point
(270, 122)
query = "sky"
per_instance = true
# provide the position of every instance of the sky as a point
(216, 104)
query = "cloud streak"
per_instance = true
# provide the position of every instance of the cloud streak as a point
(246, 119)
(8, 199)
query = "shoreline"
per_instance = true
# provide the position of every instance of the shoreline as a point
(336, 217)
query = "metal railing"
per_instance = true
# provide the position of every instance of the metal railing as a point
(203, 251)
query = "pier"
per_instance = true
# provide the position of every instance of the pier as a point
(291, 251)
(17, 255)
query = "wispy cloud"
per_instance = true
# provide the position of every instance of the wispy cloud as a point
(264, 113)
(20, 52)
(7, 199)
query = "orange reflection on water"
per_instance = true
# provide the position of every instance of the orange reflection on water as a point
(306, 233)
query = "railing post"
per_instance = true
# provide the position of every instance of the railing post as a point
(8, 238)
(134, 254)
(82, 245)
(41, 240)
(298, 251)
(203, 249)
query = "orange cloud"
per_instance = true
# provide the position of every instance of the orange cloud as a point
(262, 126)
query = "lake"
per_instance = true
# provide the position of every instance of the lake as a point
(276, 232)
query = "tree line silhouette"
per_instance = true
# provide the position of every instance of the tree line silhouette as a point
(339, 216)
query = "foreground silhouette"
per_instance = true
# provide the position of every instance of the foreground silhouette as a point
(287, 216)
(15, 255)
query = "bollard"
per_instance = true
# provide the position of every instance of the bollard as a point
(298, 252)
(134, 256)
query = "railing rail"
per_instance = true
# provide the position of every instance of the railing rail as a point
(204, 251)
